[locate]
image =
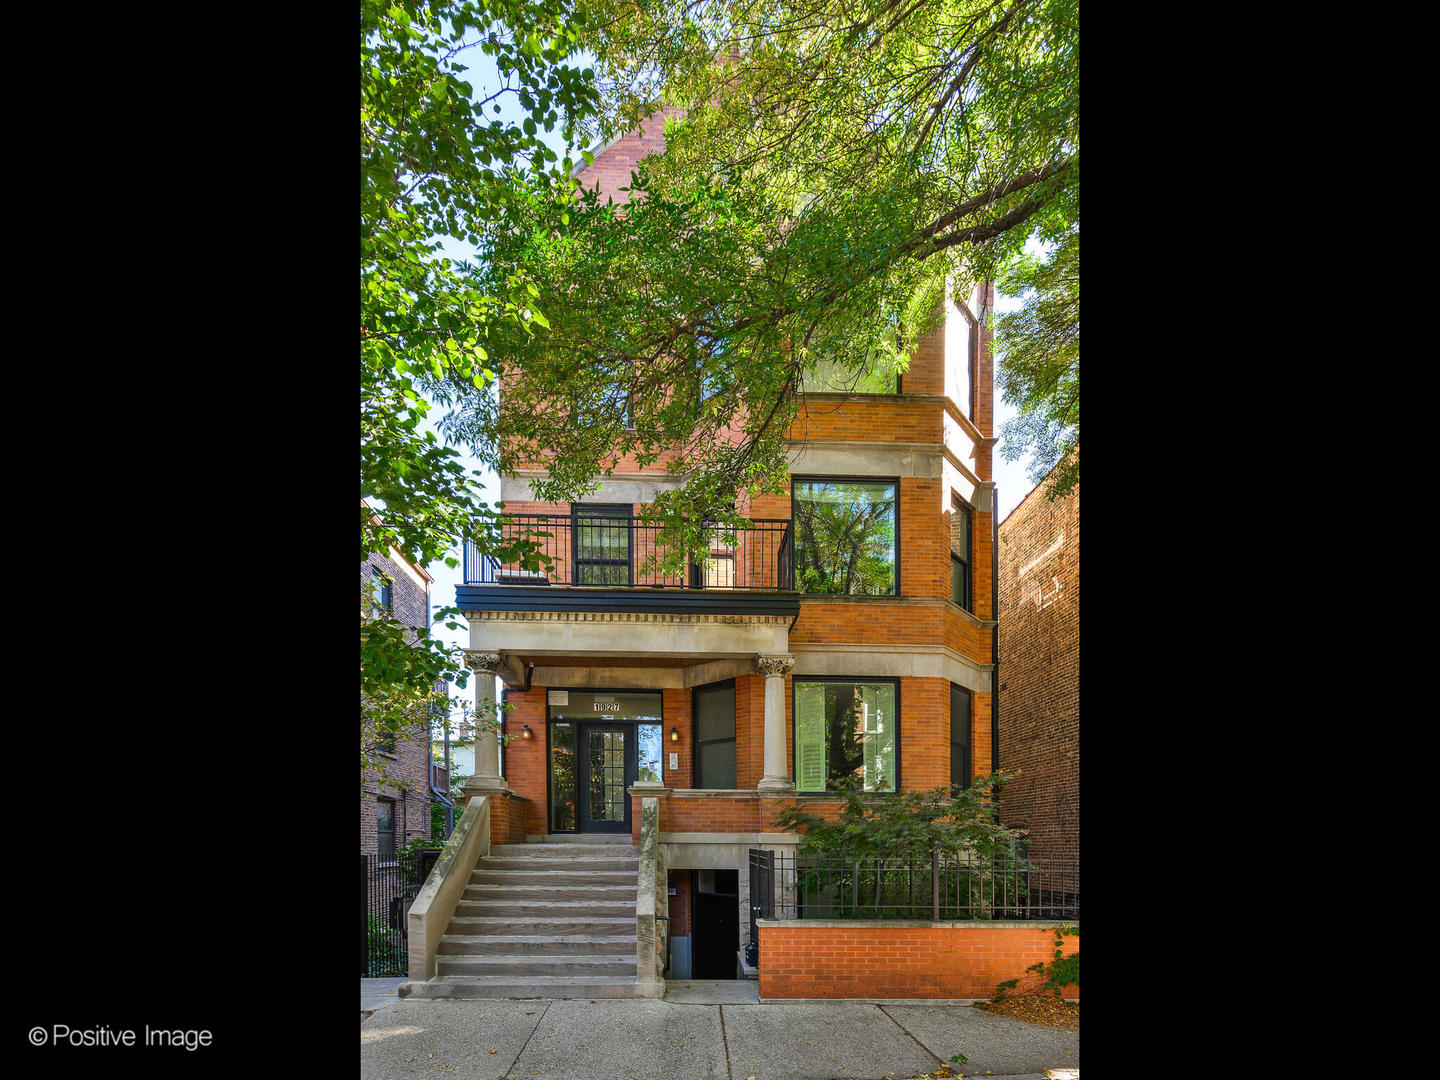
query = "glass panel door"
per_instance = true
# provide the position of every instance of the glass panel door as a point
(604, 804)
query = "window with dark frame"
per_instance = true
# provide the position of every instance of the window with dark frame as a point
(846, 535)
(382, 593)
(602, 545)
(960, 774)
(715, 736)
(385, 829)
(847, 734)
(961, 523)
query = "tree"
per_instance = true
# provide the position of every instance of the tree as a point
(832, 169)
(1038, 365)
(433, 166)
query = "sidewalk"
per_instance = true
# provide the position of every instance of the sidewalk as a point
(698, 1031)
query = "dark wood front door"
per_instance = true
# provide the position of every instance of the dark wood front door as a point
(605, 767)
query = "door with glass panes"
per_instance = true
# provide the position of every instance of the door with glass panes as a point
(600, 742)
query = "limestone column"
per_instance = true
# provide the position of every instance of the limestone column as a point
(487, 779)
(777, 773)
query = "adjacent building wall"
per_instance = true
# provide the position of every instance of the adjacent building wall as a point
(408, 769)
(1040, 670)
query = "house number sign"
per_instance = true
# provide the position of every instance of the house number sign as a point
(607, 706)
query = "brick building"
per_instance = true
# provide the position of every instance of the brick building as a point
(768, 675)
(395, 796)
(1039, 723)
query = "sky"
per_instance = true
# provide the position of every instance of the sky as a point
(1013, 484)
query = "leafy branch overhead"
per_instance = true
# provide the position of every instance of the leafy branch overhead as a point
(831, 171)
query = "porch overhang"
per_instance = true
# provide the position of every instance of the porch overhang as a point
(638, 648)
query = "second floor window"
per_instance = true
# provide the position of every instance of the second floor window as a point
(846, 534)
(602, 545)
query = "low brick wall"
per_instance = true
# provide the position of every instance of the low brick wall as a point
(881, 958)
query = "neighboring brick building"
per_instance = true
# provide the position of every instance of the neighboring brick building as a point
(394, 813)
(1039, 671)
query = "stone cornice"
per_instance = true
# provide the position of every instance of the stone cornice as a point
(629, 617)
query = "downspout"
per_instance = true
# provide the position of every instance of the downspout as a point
(995, 630)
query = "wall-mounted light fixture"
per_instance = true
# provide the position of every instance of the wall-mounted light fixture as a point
(674, 734)
(526, 734)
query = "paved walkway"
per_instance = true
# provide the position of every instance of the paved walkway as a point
(699, 1031)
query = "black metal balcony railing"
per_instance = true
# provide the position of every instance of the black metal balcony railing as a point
(622, 552)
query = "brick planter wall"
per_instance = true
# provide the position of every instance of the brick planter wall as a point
(880, 958)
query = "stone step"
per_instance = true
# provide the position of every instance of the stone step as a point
(596, 839)
(598, 894)
(484, 875)
(457, 943)
(539, 986)
(583, 924)
(605, 851)
(569, 864)
(529, 909)
(527, 965)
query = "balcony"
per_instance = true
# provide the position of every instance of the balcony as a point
(610, 560)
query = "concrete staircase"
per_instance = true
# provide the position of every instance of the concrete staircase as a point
(542, 920)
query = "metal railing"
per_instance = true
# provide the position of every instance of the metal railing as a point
(619, 551)
(938, 887)
(387, 888)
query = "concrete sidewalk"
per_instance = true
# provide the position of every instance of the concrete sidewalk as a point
(698, 1031)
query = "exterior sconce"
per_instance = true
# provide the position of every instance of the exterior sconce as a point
(674, 734)
(526, 734)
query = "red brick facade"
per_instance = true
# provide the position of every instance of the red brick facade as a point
(1040, 670)
(866, 960)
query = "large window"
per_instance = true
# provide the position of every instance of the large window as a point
(962, 335)
(847, 735)
(960, 774)
(845, 536)
(715, 736)
(960, 578)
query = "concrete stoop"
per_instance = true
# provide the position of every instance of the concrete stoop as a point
(551, 920)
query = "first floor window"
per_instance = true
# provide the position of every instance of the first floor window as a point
(385, 829)
(960, 775)
(847, 735)
(715, 736)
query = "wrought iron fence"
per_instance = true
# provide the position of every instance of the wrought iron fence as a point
(387, 888)
(620, 551)
(938, 887)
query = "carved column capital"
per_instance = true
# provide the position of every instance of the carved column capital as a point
(480, 661)
(775, 665)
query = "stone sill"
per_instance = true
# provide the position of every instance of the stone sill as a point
(741, 793)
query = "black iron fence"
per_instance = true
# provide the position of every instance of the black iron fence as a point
(939, 887)
(621, 551)
(387, 888)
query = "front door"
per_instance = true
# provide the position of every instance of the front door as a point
(604, 771)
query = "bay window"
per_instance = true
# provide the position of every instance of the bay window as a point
(847, 734)
(846, 534)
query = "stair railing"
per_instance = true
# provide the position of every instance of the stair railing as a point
(651, 899)
(435, 904)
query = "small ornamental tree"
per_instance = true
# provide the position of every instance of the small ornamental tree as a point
(912, 823)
